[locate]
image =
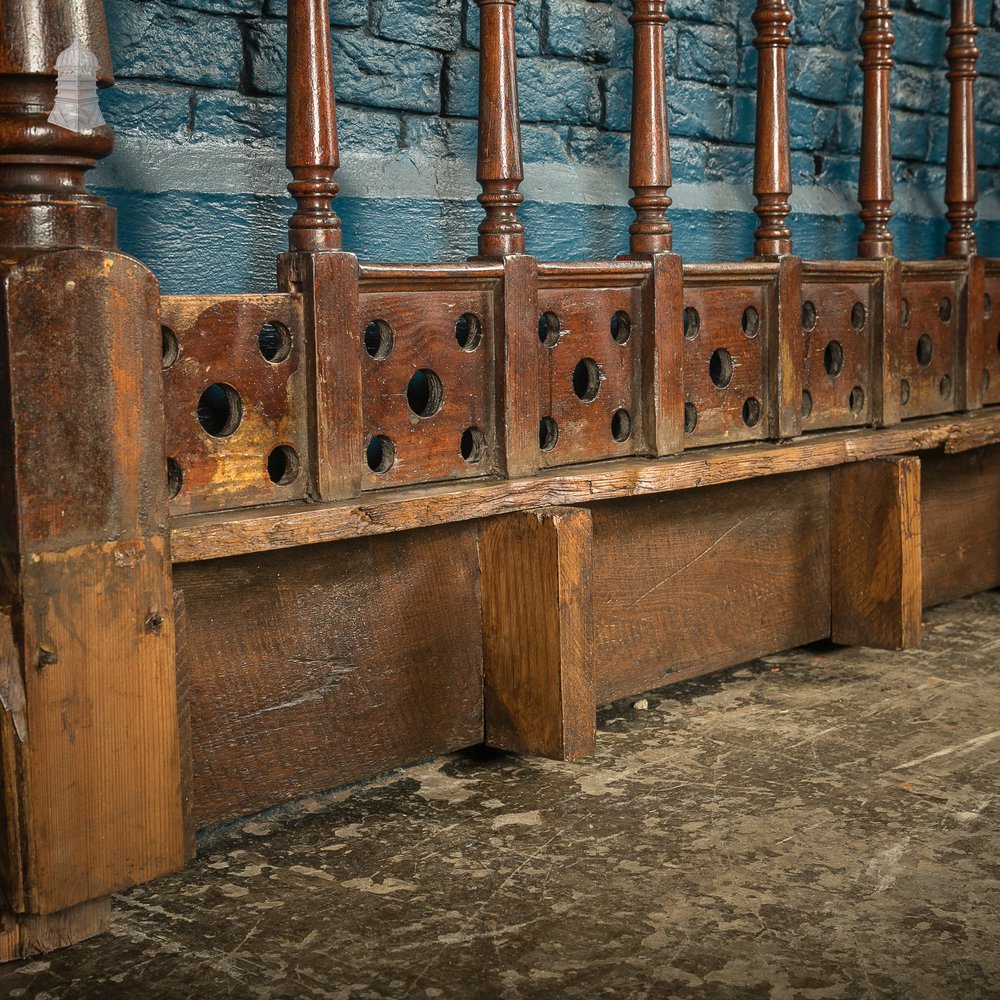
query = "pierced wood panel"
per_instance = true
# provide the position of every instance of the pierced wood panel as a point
(840, 323)
(730, 325)
(427, 360)
(991, 334)
(925, 352)
(590, 376)
(236, 400)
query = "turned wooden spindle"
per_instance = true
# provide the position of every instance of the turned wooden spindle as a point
(960, 182)
(772, 175)
(875, 170)
(44, 201)
(499, 167)
(312, 154)
(649, 164)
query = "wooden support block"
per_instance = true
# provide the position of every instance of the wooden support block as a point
(785, 356)
(25, 934)
(537, 653)
(973, 378)
(875, 553)
(662, 356)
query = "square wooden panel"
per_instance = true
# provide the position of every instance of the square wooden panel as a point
(236, 401)
(590, 380)
(925, 358)
(991, 334)
(427, 360)
(841, 317)
(730, 323)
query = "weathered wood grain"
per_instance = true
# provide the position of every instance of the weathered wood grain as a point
(695, 581)
(537, 649)
(875, 553)
(25, 934)
(316, 667)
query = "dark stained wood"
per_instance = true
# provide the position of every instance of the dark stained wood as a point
(662, 357)
(960, 523)
(537, 648)
(886, 335)
(772, 175)
(960, 191)
(990, 313)
(973, 348)
(316, 667)
(23, 935)
(649, 159)
(311, 150)
(95, 805)
(216, 341)
(875, 166)
(44, 201)
(699, 580)
(875, 553)
(209, 536)
(784, 355)
(499, 167)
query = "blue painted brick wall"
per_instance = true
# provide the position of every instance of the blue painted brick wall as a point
(198, 174)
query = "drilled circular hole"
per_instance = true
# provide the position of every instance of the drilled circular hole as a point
(621, 327)
(275, 342)
(807, 402)
(904, 392)
(690, 418)
(379, 339)
(171, 348)
(283, 465)
(944, 387)
(833, 359)
(425, 393)
(859, 316)
(473, 445)
(720, 368)
(925, 350)
(175, 478)
(856, 401)
(548, 433)
(750, 322)
(944, 309)
(548, 329)
(808, 316)
(692, 323)
(586, 380)
(468, 332)
(621, 425)
(987, 306)
(380, 454)
(904, 313)
(751, 411)
(220, 410)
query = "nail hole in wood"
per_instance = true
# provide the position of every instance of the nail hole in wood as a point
(856, 401)
(904, 313)
(472, 445)
(833, 359)
(944, 386)
(925, 350)
(987, 306)
(220, 410)
(283, 465)
(586, 380)
(807, 402)
(986, 381)
(808, 316)
(379, 339)
(171, 348)
(548, 433)
(548, 329)
(175, 478)
(692, 323)
(751, 411)
(720, 368)
(468, 332)
(621, 425)
(380, 453)
(690, 418)
(275, 342)
(944, 309)
(621, 327)
(750, 322)
(904, 392)
(425, 393)
(859, 316)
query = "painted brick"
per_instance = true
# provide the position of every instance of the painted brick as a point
(706, 53)
(367, 70)
(919, 40)
(811, 126)
(584, 29)
(557, 90)
(221, 6)
(699, 111)
(342, 12)
(918, 89)
(616, 90)
(823, 74)
(687, 160)
(733, 164)
(744, 116)
(595, 148)
(155, 41)
(705, 11)
(834, 24)
(941, 8)
(461, 84)
(527, 26)
(144, 108)
(435, 23)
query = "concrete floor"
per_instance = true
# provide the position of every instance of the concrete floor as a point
(819, 824)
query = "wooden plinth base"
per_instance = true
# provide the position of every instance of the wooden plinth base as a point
(25, 934)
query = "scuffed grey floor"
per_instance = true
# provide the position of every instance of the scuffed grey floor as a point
(819, 824)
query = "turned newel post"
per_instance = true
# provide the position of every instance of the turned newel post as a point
(649, 166)
(772, 175)
(311, 154)
(43, 199)
(499, 166)
(960, 184)
(875, 172)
